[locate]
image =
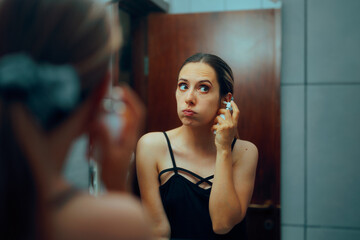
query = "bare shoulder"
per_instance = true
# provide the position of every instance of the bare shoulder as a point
(151, 139)
(150, 147)
(245, 151)
(112, 216)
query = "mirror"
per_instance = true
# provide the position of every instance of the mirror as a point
(250, 42)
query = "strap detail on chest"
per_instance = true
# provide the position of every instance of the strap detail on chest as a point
(171, 152)
(176, 169)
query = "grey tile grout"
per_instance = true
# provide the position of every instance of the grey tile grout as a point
(292, 225)
(305, 118)
(334, 227)
(321, 84)
(320, 226)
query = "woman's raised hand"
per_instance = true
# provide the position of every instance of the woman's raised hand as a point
(115, 135)
(226, 129)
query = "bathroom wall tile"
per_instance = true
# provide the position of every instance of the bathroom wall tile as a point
(293, 38)
(271, 4)
(234, 5)
(207, 6)
(332, 234)
(333, 41)
(333, 153)
(292, 232)
(179, 6)
(292, 155)
(76, 169)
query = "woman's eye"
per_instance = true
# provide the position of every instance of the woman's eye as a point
(182, 86)
(204, 88)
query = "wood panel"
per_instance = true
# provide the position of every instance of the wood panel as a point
(138, 53)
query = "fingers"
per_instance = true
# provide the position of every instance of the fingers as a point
(119, 126)
(236, 112)
(229, 121)
(226, 113)
(132, 101)
(99, 135)
(214, 128)
(134, 112)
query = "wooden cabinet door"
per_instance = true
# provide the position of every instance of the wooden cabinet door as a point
(250, 42)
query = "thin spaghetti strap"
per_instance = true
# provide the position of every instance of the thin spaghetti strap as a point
(192, 173)
(233, 144)
(171, 152)
(164, 171)
(206, 180)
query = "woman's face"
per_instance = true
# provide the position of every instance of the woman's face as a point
(197, 94)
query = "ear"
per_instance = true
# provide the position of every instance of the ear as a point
(226, 98)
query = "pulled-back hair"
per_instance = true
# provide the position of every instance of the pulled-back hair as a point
(75, 32)
(224, 73)
(57, 32)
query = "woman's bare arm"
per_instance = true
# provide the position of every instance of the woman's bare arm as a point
(234, 174)
(147, 152)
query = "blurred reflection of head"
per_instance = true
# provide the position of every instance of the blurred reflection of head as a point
(53, 56)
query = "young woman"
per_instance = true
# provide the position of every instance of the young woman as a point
(197, 180)
(54, 58)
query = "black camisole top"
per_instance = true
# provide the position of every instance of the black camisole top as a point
(187, 206)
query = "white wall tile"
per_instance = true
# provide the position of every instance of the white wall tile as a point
(333, 41)
(207, 6)
(292, 233)
(271, 4)
(179, 6)
(332, 234)
(293, 38)
(333, 137)
(292, 155)
(76, 169)
(233, 5)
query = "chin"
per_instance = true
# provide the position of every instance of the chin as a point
(192, 122)
(186, 121)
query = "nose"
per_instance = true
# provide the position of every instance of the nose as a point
(190, 98)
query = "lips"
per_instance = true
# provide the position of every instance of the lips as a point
(188, 112)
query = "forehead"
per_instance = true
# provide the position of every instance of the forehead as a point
(198, 71)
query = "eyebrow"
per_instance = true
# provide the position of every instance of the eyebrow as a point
(201, 81)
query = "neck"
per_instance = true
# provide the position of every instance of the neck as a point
(200, 138)
(45, 152)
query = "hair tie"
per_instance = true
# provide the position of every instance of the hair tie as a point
(49, 91)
